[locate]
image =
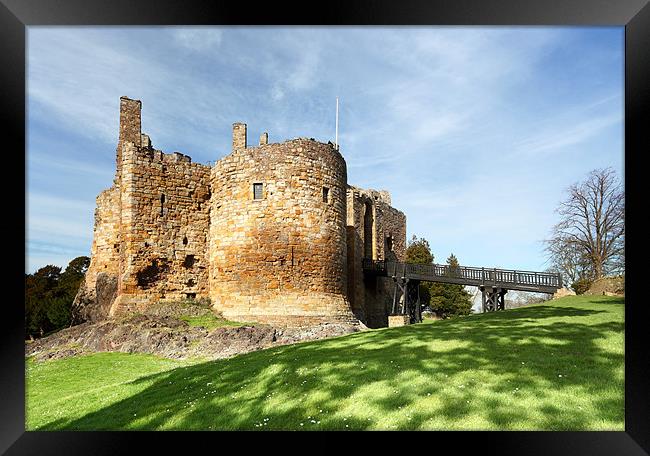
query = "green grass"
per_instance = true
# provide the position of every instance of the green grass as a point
(209, 321)
(553, 366)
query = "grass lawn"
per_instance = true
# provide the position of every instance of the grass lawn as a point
(557, 365)
(209, 322)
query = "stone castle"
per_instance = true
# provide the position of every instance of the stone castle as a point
(272, 233)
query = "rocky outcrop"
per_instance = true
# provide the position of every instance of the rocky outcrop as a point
(93, 305)
(607, 286)
(562, 292)
(83, 301)
(164, 334)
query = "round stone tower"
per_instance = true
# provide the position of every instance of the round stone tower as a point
(277, 242)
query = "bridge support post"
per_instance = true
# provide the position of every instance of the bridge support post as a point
(493, 298)
(412, 303)
(408, 292)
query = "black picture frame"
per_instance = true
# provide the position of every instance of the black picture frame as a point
(634, 15)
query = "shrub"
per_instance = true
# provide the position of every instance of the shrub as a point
(581, 285)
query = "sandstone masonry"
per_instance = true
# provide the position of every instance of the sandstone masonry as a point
(271, 233)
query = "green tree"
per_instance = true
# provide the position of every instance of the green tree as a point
(49, 294)
(39, 291)
(581, 285)
(419, 252)
(449, 299)
(454, 265)
(58, 312)
(72, 276)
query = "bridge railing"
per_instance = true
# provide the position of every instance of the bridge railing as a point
(466, 273)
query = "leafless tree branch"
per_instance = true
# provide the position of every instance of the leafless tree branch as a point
(589, 239)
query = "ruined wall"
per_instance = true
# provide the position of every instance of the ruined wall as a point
(391, 232)
(105, 248)
(151, 227)
(283, 255)
(371, 222)
(164, 228)
(130, 130)
(105, 263)
(104, 260)
(355, 251)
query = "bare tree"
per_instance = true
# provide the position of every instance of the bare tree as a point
(567, 260)
(588, 241)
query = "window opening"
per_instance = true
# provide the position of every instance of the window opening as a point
(257, 191)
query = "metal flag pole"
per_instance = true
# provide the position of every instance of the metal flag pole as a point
(336, 138)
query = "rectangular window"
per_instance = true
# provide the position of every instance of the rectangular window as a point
(326, 192)
(257, 191)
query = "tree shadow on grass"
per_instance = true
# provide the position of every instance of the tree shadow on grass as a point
(540, 367)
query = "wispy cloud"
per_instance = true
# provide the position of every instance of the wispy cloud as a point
(57, 228)
(69, 166)
(198, 38)
(563, 135)
(76, 93)
(59, 217)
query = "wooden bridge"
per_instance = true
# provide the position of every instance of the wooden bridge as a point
(494, 283)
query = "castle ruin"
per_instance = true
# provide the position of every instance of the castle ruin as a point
(271, 233)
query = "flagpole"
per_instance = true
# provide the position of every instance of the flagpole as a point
(336, 139)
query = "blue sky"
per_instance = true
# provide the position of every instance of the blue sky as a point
(476, 132)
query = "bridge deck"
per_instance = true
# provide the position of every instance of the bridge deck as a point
(539, 282)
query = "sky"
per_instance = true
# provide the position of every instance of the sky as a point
(476, 132)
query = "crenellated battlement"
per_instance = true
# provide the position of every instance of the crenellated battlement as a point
(158, 156)
(131, 133)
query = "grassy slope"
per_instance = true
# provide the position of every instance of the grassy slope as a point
(557, 365)
(209, 322)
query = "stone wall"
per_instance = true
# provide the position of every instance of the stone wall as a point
(370, 222)
(283, 255)
(391, 227)
(238, 136)
(105, 248)
(165, 217)
(104, 258)
(130, 129)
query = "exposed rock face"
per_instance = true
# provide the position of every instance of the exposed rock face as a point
(94, 305)
(171, 337)
(83, 301)
(272, 233)
(562, 292)
(607, 286)
(105, 292)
